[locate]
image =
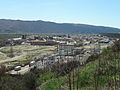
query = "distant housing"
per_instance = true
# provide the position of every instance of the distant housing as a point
(43, 42)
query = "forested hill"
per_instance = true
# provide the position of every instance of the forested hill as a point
(19, 26)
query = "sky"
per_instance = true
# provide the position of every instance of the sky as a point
(93, 12)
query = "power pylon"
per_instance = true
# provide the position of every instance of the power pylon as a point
(11, 50)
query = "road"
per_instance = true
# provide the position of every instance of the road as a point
(22, 71)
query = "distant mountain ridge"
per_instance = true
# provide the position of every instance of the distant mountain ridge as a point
(19, 26)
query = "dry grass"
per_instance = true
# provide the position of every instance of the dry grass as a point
(22, 52)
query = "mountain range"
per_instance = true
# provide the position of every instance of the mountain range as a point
(20, 26)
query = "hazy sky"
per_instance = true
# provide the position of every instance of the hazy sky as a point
(96, 12)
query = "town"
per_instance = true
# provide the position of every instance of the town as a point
(28, 51)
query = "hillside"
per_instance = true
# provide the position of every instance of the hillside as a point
(100, 72)
(19, 26)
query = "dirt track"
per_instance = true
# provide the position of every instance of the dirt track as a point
(23, 51)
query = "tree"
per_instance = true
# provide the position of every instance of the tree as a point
(116, 46)
(30, 80)
(3, 70)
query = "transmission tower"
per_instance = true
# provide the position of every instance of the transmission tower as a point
(11, 50)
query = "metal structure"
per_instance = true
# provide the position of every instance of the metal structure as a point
(11, 55)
